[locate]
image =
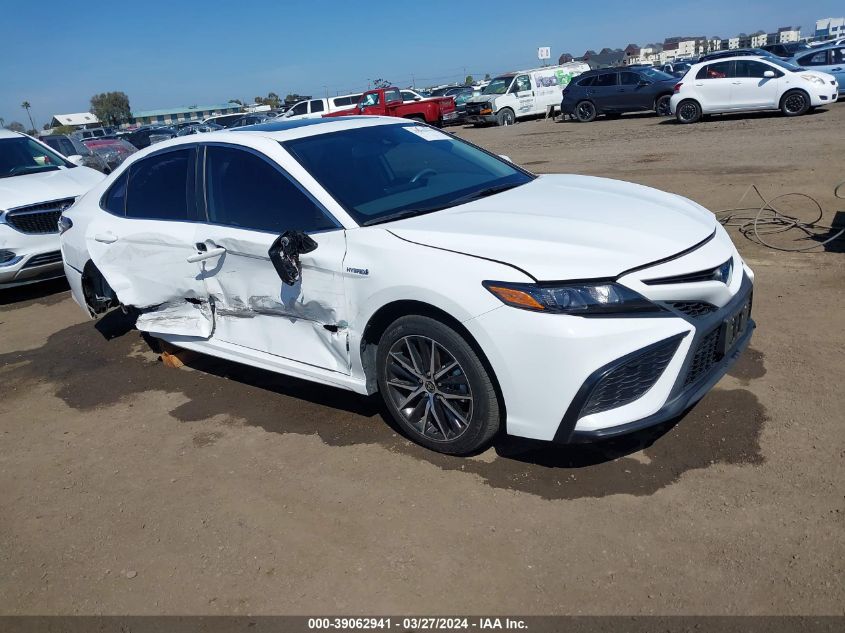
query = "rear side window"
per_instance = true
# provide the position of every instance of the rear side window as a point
(587, 81)
(246, 191)
(341, 101)
(718, 70)
(114, 201)
(160, 186)
(605, 79)
(317, 105)
(816, 59)
(392, 95)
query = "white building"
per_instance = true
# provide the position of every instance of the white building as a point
(733, 42)
(785, 34)
(77, 120)
(758, 39)
(830, 28)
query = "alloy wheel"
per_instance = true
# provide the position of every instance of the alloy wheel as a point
(586, 110)
(687, 111)
(429, 388)
(794, 102)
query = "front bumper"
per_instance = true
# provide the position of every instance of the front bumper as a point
(481, 118)
(36, 257)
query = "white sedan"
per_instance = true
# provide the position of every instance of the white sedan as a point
(380, 255)
(748, 83)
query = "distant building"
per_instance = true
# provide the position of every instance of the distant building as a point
(78, 120)
(784, 35)
(830, 28)
(758, 39)
(186, 113)
(676, 47)
(604, 59)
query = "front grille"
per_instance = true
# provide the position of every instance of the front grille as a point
(474, 108)
(44, 258)
(722, 273)
(38, 218)
(706, 355)
(693, 309)
(627, 382)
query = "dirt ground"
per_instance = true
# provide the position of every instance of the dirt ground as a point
(130, 488)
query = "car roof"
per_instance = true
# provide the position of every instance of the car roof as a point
(816, 49)
(10, 134)
(756, 58)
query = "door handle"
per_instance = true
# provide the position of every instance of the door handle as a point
(106, 238)
(836, 70)
(205, 252)
(736, 83)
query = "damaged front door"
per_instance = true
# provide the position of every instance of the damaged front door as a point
(144, 245)
(250, 202)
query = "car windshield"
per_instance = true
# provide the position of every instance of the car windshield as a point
(385, 172)
(498, 86)
(786, 65)
(658, 75)
(19, 156)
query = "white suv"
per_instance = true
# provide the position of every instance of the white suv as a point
(36, 185)
(750, 83)
(380, 255)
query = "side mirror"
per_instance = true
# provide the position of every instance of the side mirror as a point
(285, 252)
(76, 159)
(769, 74)
(417, 98)
(643, 82)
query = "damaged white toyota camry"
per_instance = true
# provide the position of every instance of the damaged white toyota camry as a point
(381, 255)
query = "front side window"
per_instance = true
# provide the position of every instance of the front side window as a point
(755, 70)
(381, 172)
(22, 155)
(246, 191)
(61, 145)
(299, 108)
(816, 59)
(522, 83)
(370, 99)
(160, 186)
(629, 79)
(317, 105)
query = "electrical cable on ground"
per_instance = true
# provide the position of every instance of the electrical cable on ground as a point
(756, 222)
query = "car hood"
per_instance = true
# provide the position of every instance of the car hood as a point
(566, 227)
(18, 191)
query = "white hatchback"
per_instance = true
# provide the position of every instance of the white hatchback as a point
(747, 83)
(36, 185)
(380, 255)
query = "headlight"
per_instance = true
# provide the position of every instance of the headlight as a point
(576, 298)
(813, 78)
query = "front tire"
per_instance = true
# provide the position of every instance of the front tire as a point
(795, 103)
(505, 116)
(688, 111)
(585, 111)
(435, 386)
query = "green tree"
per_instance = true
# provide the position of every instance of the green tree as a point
(272, 99)
(64, 129)
(294, 98)
(238, 101)
(486, 76)
(25, 105)
(381, 83)
(469, 80)
(15, 126)
(111, 108)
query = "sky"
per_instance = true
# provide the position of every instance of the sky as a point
(163, 54)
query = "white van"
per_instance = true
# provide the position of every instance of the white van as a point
(316, 108)
(522, 94)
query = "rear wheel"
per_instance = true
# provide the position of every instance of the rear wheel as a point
(795, 103)
(436, 387)
(585, 111)
(505, 116)
(688, 111)
(661, 106)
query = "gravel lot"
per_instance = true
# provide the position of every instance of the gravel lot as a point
(127, 487)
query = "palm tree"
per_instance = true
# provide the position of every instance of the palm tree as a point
(2, 123)
(25, 105)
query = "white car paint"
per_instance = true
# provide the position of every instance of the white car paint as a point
(550, 229)
(743, 94)
(19, 192)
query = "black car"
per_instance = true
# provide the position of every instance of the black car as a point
(613, 91)
(148, 134)
(787, 50)
(759, 52)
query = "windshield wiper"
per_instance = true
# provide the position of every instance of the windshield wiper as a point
(405, 213)
(483, 193)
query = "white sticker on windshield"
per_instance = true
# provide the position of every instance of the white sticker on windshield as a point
(428, 133)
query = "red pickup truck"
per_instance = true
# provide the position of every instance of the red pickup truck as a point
(388, 102)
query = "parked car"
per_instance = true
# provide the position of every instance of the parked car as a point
(388, 102)
(750, 84)
(36, 185)
(223, 120)
(380, 255)
(614, 91)
(76, 152)
(409, 94)
(736, 52)
(786, 50)
(461, 101)
(676, 69)
(147, 135)
(112, 151)
(828, 59)
(317, 108)
(249, 119)
(526, 93)
(200, 128)
(96, 132)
